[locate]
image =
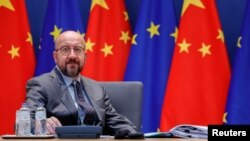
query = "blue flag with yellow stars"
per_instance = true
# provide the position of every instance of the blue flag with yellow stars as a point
(238, 105)
(61, 15)
(150, 56)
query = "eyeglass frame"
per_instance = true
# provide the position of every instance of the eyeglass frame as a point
(74, 47)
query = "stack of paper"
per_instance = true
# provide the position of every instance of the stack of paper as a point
(182, 131)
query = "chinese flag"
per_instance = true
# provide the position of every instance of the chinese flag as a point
(16, 60)
(108, 40)
(199, 76)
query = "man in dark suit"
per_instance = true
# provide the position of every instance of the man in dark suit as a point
(56, 93)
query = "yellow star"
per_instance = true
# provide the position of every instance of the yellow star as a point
(56, 32)
(89, 45)
(14, 52)
(184, 46)
(134, 39)
(153, 29)
(82, 34)
(126, 15)
(101, 3)
(220, 35)
(205, 50)
(175, 34)
(187, 3)
(238, 42)
(225, 118)
(7, 4)
(125, 36)
(107, 50)
(29, 39)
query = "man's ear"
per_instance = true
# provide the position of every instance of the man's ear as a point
(55, 56)
(85, 57)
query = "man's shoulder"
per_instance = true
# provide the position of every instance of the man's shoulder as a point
(42, 77)
(89, 81)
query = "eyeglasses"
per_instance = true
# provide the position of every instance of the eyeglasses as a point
(65, 50)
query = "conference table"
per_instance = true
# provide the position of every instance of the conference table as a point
(155, 139)
(108, 139)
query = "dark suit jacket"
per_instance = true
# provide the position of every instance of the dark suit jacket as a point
(49, 90)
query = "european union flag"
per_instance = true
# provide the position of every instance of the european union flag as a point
(238, 105)
(61, 15)
(150, 56)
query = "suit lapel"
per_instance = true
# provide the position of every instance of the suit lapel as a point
(89, 91)
(63, 92)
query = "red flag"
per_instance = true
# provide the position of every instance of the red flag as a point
(199, 76)
(17, 60)
(108, 40)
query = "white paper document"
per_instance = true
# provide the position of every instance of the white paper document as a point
(181, 131)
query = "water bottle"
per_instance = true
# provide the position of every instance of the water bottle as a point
(24, 128)
(40, 121)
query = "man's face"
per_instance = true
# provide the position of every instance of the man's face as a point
(70, 53)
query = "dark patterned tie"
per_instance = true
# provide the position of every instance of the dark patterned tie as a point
(90, 113)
